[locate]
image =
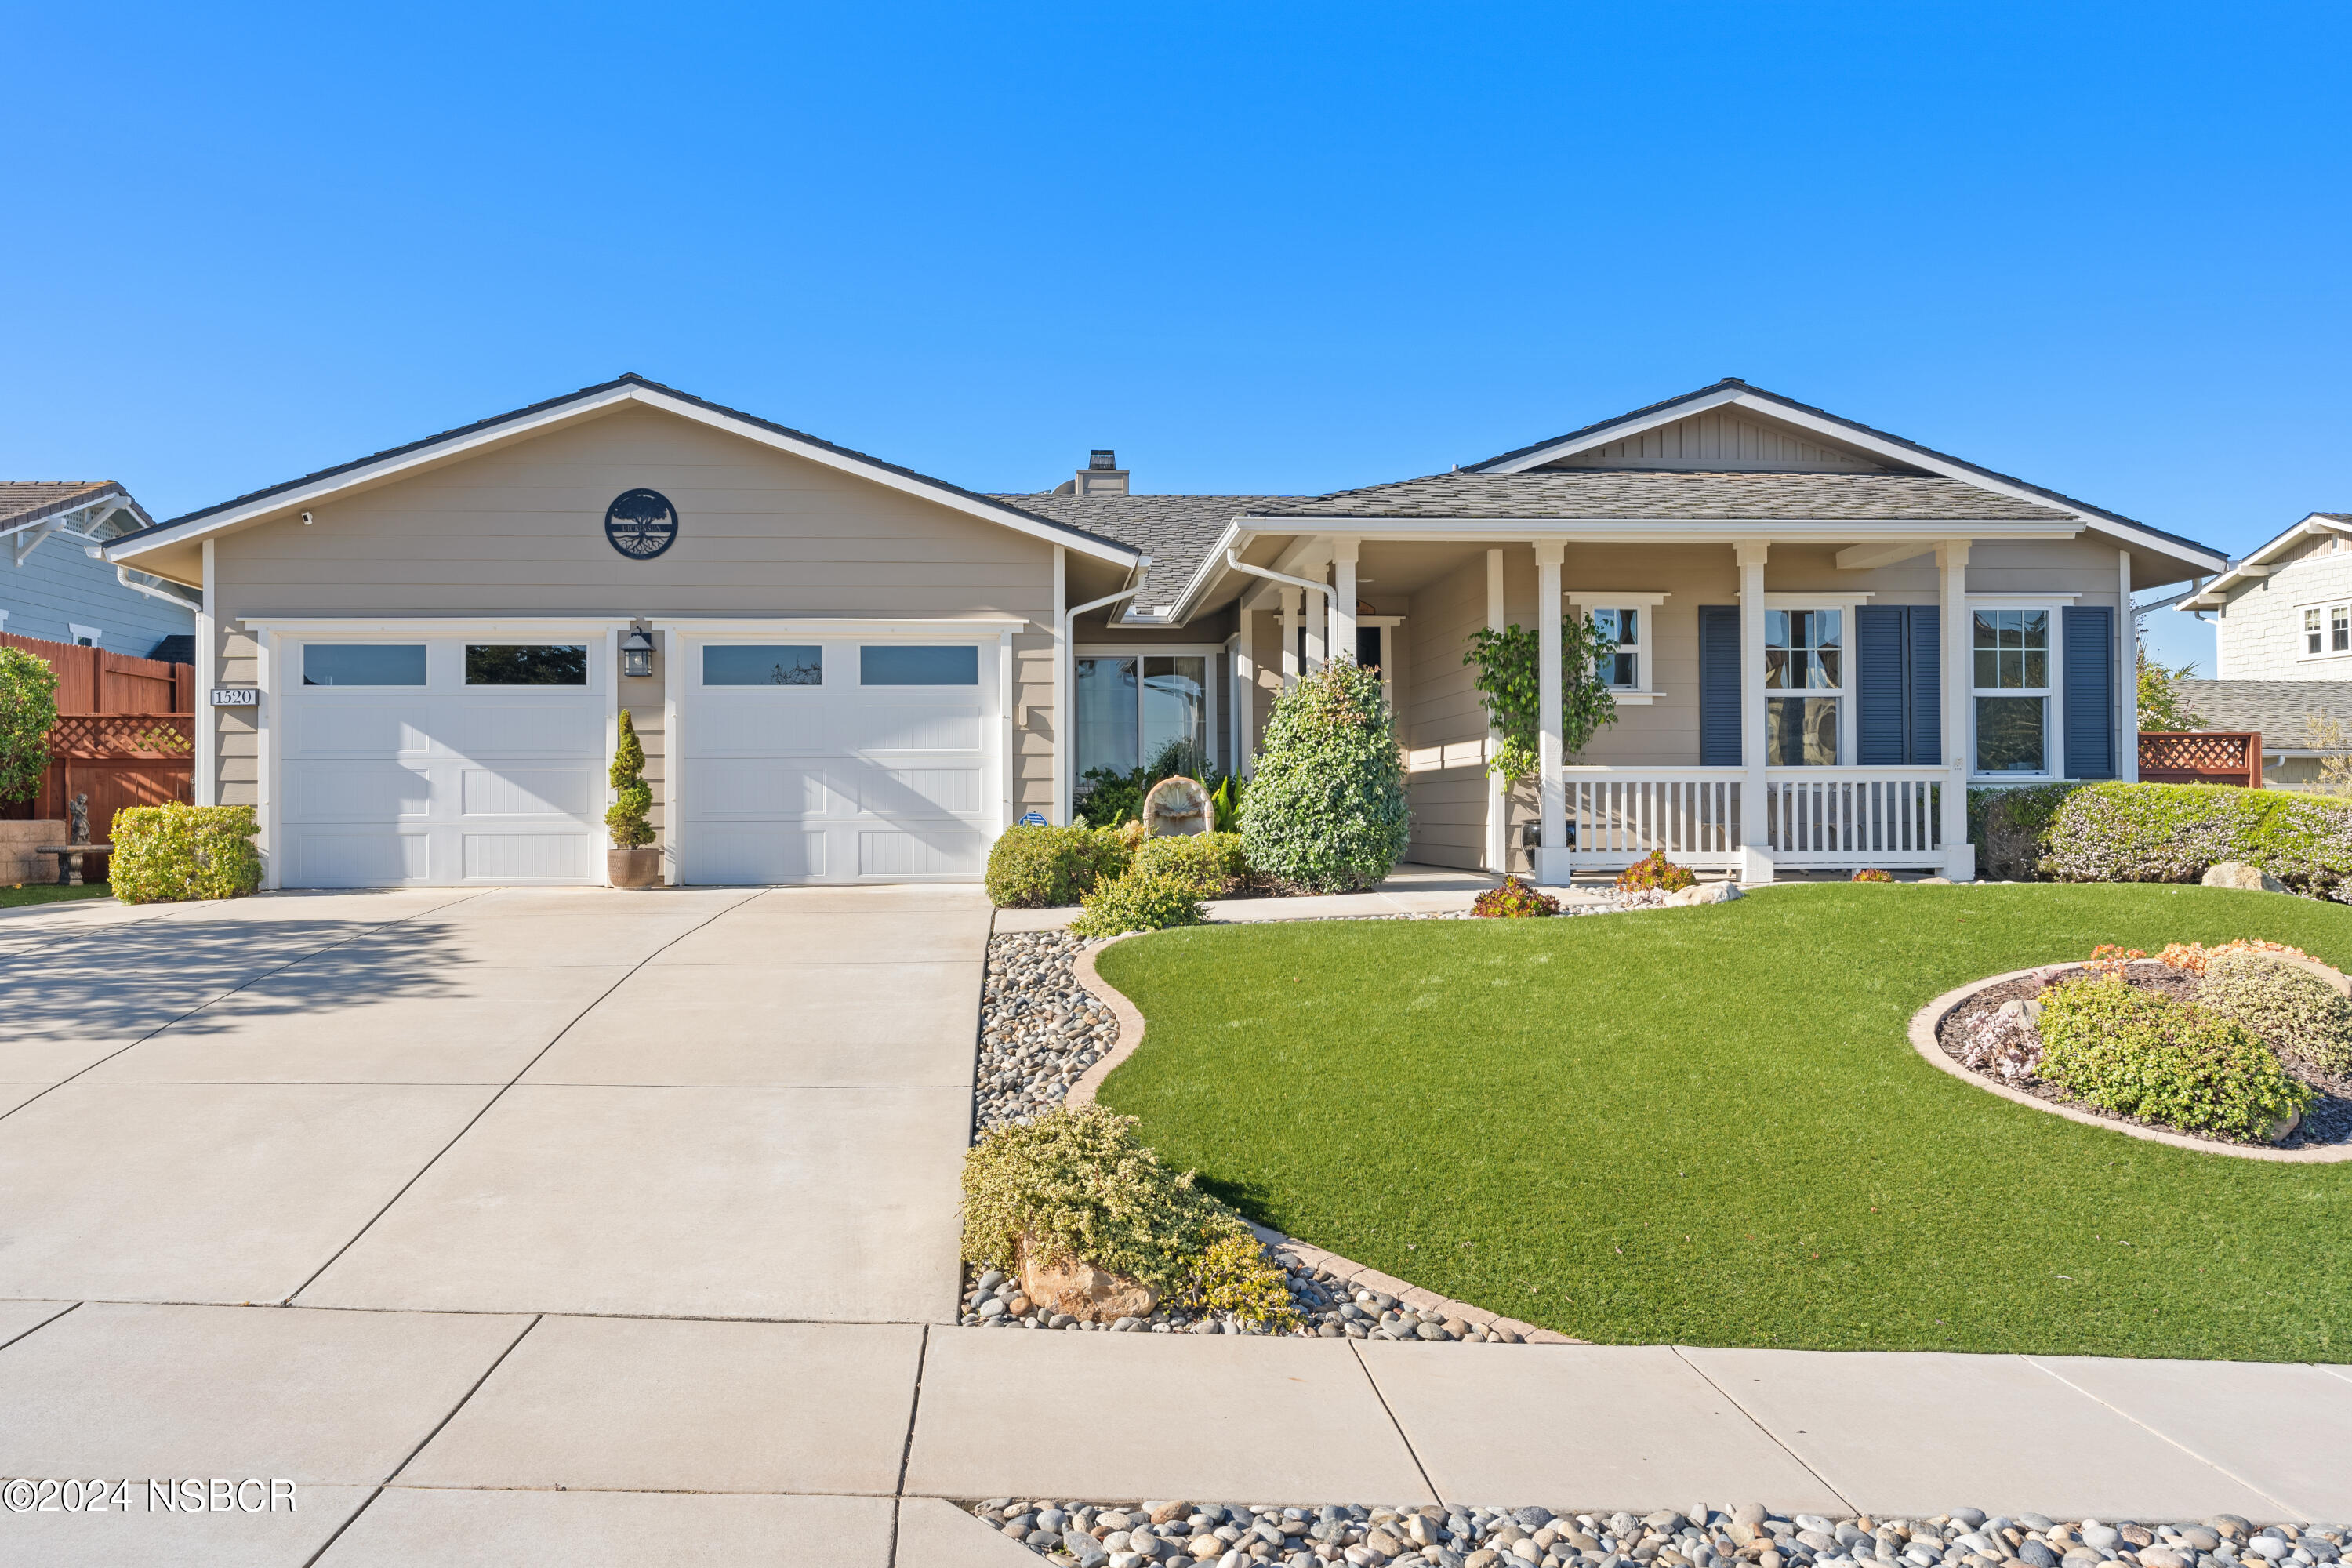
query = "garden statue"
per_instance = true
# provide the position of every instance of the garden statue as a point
(1176, 805)
(79, 819)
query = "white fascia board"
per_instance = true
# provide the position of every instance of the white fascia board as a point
(1830, 431)
(566, 413)
(435, 625)
(2255, 565)
(839, 625)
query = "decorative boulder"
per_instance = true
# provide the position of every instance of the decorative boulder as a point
(2238, 874)
(1706, 893)
(1176, 805)
(1082, 1290)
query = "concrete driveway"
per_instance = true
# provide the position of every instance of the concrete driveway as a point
(714, 1104)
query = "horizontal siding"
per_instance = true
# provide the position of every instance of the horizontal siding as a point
(58, 586)
(2259, 636)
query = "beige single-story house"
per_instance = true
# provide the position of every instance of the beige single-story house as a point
(844, 670)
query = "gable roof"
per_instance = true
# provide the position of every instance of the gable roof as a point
(1621, 493)
(628, 387)
(2216, 593)
(1898, 449)
(1176, 531)
(2279, 709)
(24, 502)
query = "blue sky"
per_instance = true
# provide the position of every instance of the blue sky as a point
(1252, 248)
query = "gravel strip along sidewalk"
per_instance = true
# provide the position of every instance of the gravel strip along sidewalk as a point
(1040, 1031)
(1231, 1535)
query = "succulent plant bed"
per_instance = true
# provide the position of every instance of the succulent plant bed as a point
(1997, 1033)
(1323, 1303)
(1234, 1535)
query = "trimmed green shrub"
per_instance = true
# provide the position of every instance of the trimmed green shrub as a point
(1138, 902)
(163, 854)
(1327, 811)
(1514, 900)
(1039, 868)
(2010, 828)
(2173, 833)
(2143, 1054)
(1081, 1187)
(1208, 863)
(28, 711)
(628, 818)
(2291, 1008)
(1236, 1276)
(1654, 871)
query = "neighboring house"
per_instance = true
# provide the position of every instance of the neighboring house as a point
(59, 587)
(859, 673)
(2302, 722)
(2284, 613)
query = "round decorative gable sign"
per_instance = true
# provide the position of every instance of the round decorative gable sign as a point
(641, 524)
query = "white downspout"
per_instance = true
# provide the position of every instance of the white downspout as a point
(1066, 743)
(125, 575)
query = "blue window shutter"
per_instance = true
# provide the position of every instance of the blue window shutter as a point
(2090, 652)
(1927, 673)
(1718, 686)
(1879, 685)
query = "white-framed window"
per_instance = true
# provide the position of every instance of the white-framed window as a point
(2326, 630)
(1807, 685)
(85, 636)
(1630, 618)
(1131, 705)
(2013, 656)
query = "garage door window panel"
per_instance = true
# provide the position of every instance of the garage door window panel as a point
(363, 664)
(764, 664)
(525, 664)
(914, 664)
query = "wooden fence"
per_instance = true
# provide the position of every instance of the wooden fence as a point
(2201, 757)
(126, 734)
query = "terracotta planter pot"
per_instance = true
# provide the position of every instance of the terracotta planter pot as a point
(634, 867)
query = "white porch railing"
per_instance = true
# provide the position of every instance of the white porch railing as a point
(1855, 816)
(1618, 816)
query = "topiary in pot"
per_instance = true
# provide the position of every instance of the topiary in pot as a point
(631, 862)
(1326, 810)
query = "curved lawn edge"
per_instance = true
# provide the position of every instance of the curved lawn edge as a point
(1130, 1035)
(1928, 1019)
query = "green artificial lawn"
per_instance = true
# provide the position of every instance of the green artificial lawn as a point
(49, 893)
(1707, 1126)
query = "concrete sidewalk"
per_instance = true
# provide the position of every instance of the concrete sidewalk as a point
(489, 1439)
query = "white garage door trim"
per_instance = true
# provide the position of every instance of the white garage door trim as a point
(777, 782)
(543, 749)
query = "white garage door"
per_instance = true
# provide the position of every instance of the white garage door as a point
(440, 761)
(838, 761)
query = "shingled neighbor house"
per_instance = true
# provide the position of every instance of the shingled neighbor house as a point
(59, 587)
(844, 671)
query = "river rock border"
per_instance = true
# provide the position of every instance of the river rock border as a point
(1295, 1255)
(1927, 1020)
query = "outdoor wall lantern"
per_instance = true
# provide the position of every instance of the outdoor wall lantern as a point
(638, 651)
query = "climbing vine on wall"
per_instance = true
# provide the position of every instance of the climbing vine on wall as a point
(1508, 680)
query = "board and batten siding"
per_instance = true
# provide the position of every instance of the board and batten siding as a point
(2259, 633)
(1723, 438)
(518, 530)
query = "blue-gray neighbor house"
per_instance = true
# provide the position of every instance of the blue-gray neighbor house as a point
(57, 583)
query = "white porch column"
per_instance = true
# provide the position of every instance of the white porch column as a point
(1498, 800)
(2127, 678)
(1343, 598)
(1754, 796)
(1065, 751)
(1551, 860)
(1246, 689)
(1290, 625)
(1318, 617)
(1952, 564)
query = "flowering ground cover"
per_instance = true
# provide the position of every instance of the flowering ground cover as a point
(1707, 1126)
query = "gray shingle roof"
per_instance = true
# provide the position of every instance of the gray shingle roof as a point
(30, 500)
(1653, 493)
(2279, 709)
(1177, 530)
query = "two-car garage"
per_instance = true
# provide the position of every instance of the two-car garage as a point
(793, 757)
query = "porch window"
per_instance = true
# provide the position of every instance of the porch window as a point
(2012, 690)
(2326, 628)
(1804, 652)
(1623, 627)
(1135, 710)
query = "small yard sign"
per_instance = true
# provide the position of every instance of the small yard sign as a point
(1034, 820)
(235, 696)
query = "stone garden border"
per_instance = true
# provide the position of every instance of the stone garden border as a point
(1925, 1021)
(1130, 1035)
